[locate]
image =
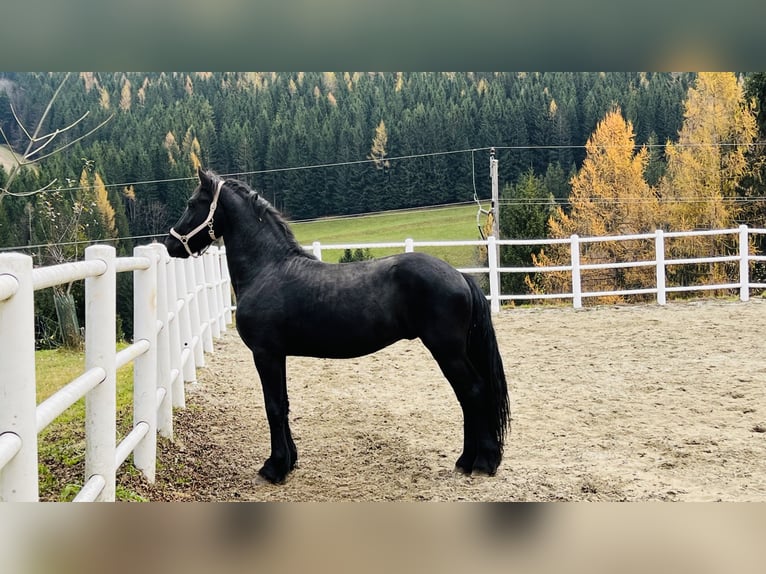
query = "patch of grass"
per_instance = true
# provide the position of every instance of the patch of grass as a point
(54, 368)
(452, 223)
(61, 446)
(126, 495)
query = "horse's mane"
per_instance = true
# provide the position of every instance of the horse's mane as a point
(267, 212)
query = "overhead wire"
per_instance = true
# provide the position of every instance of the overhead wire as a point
(473, 151)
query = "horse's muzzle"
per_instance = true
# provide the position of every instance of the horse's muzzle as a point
(175, 247)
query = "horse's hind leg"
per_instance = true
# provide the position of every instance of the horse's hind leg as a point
(481, 451)
(274, 385)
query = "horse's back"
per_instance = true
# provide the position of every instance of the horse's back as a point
(353, 309)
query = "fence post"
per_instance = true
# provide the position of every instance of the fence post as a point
(18, 403)
(164, 391)
(409, 245)
(176, 364)
(200, 288)
(744, 264)
(145, 366)
(218, 283)
(184, 327)
(226, 287)
(100, 351)
(576, 281)
(659, 257)
(208, 260)
(494, 283)
(316, 247)
(192, 302)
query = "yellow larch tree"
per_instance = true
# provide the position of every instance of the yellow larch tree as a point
(125, 96)
(704, 168)
(609, 197)
(708, 161)
(378, 151)
(104, 208)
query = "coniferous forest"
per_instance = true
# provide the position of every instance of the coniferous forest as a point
(113, 156)
(258, 126)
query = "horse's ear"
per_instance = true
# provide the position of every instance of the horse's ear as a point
(206, 178)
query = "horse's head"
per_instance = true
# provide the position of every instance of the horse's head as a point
(199, 225)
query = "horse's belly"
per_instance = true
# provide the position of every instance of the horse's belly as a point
(338, 340)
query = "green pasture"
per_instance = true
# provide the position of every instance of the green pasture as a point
(452, 223)
(61, 446)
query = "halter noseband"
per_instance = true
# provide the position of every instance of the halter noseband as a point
(184, 239)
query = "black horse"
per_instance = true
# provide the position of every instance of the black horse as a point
(289, 303)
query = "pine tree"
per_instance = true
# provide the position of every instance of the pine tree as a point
(526, 208)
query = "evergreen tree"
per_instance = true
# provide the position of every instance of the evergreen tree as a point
(655, 167)
(525, 210)
(556, 182)
(261, 122)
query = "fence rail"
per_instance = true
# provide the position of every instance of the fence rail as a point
(180, 306)
(576, 266)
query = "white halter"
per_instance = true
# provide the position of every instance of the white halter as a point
(184, 239)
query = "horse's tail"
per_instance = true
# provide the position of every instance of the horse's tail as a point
(485, 357)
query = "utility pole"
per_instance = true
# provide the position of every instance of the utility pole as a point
(495, 207)
(493, 249)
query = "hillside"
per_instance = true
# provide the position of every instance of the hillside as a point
(6, 158)
(379, 141)
(432, 224)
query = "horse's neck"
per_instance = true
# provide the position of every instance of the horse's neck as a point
(254, 245)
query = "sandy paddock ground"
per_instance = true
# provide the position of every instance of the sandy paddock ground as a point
(608, 403)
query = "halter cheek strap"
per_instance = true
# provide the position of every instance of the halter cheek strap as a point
(184, 239)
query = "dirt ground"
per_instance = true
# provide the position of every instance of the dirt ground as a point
(608, 403)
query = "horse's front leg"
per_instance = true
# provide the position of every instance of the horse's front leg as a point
(273, 375)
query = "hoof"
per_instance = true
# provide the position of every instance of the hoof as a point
(481, 464)
(273, 472)
(486, 465)
(464, 464)
(483, 471)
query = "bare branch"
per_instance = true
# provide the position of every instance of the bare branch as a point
(37, 143)
(51, 136)
(74, 141)
(46, 112)
(18, 121)
(47, 187)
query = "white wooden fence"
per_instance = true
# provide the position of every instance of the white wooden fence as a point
(575, 267)
(179, 307)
